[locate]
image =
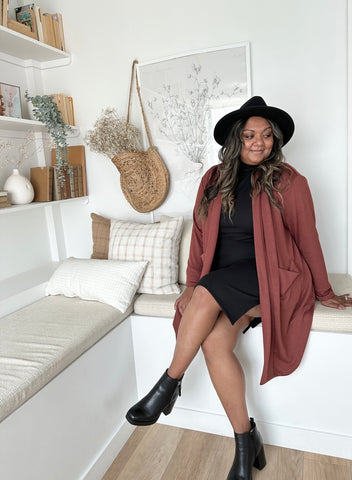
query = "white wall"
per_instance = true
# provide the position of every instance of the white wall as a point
(298, 60)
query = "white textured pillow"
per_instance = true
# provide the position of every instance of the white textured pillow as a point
(158, 243)
(108, 281)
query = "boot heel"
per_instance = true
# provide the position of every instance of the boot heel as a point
(168, 409)
(260, 460)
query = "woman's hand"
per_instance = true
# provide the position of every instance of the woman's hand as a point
(182, 301)
(339, 301)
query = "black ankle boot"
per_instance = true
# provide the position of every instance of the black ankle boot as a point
(249, 453)
(161, 398)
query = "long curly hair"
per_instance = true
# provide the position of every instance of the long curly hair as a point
(266, 177)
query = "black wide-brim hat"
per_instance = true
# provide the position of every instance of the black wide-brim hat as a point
(254, 107)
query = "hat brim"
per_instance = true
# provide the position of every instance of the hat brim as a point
(283, 119)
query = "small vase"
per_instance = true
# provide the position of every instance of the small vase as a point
(19, 188)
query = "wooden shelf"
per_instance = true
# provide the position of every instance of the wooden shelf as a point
(25, 48)
(29, 206)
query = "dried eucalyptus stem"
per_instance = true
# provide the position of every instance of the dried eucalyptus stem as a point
(46, 111)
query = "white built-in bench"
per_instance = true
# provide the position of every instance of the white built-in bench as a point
(307, 410)
(104, 360)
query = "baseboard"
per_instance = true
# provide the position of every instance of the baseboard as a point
(287, 436)
(108, 453)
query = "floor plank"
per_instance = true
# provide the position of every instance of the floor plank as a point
(161, 452)
(325, 471)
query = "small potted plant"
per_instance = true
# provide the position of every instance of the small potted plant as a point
(46, 111)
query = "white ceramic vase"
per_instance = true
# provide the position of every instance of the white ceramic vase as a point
(19, 188)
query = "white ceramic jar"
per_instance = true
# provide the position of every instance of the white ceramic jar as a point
(19, 188)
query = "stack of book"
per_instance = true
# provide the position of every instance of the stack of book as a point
(33, 22)
(4, 201)
(75, 178)
(2, 106)
(65, 106)
(70, 185)
(72, 182)
(42, 181)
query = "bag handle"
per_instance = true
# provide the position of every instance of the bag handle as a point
(134, 75)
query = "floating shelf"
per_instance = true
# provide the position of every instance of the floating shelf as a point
(28, 206)
(25, 48)
(22, 124)
(9, 123)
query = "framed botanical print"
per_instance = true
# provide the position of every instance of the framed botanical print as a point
(10, 100)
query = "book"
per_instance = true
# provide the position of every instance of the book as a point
(65, 107)
(56, 30)
(20, 28)
(76, 156)
(5, 8)
(4, 201)
(58, 18)
(42, 181)
(60, 100)
(26, 16)
(2, 106)
(37, 13)
(71, 185)
(56, 186)
(48, 29)
(75, 174)
(70, 111)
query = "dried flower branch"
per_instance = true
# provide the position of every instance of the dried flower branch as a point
(183, 117)
(112, 135)
(15, 154)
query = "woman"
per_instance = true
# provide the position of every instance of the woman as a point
(255, 257)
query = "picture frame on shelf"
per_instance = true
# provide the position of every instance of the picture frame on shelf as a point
(11, 100)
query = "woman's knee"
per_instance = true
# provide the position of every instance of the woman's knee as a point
(203, 299)
(221, 340)
(211, 347)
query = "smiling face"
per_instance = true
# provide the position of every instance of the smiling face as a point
(257, 141)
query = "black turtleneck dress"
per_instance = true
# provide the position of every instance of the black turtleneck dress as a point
(233, 280)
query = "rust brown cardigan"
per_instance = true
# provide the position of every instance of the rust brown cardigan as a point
(290, 265)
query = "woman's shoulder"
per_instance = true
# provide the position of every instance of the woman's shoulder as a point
(290, 174)
(210, 175)
(287, 170)
(291, 178)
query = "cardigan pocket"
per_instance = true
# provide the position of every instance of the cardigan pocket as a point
(286, 277)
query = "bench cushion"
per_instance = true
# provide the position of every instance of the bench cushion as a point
(156, 305)
(325, 319)
(40, 340)
(330, 319)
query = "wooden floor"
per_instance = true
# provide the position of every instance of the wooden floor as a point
(161, 452)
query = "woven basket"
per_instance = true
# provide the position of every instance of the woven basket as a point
(144, 177)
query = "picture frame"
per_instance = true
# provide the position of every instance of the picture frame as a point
(11, 100)
(184, 96)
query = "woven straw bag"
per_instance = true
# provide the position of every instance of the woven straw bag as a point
(144, 177)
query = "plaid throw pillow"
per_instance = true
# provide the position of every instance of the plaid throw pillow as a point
(158, 243)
